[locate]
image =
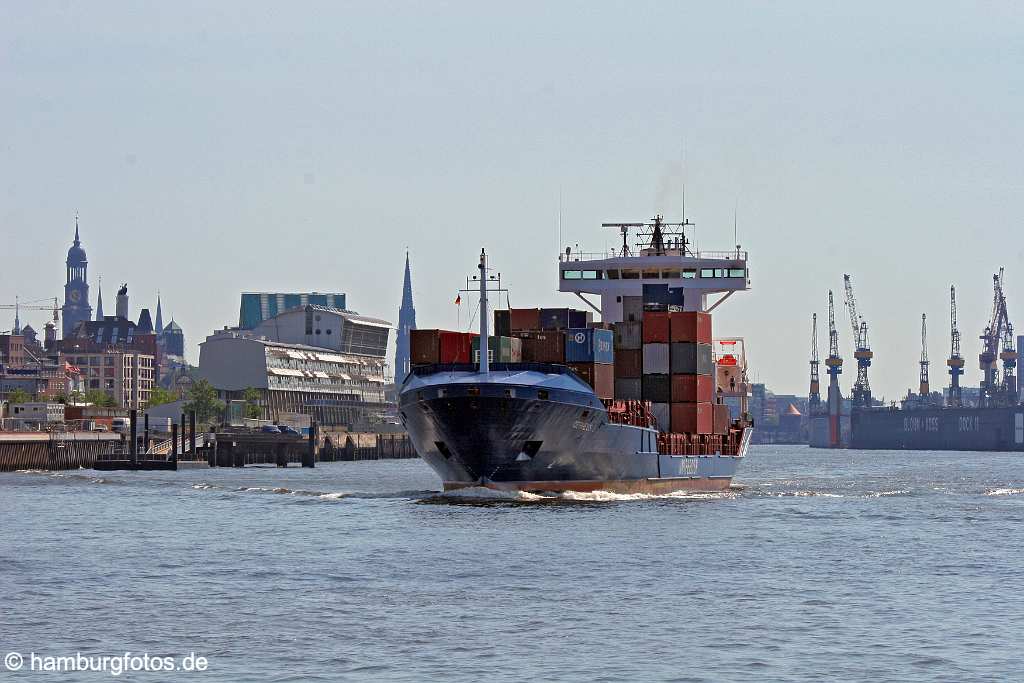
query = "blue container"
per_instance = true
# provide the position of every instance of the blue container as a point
(656, 294)
(585, 345)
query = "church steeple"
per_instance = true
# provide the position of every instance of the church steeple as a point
(99, 302)
(76, 291)
(406, 323)
(159, 315)
(17, 321)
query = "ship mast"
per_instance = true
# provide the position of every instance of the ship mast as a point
(485, 366)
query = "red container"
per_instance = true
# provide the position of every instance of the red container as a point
(525, 319)
(543, 347)
(690, 326)
(457, 347)
(693, 418)
(722, 418)
(629, 363)
(692, 389)
(600, 376)
(656, 327)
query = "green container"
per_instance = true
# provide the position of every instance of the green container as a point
(500, 350)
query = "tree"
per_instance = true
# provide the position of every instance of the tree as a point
(202, 398)
(19, 396)
(100, 398)
(159, 396)
(253, 410)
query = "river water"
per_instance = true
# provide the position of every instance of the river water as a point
(820, 565)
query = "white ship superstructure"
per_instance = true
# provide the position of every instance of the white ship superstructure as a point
(662, 255)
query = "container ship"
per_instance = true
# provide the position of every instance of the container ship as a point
(639, 402)
(987, 418)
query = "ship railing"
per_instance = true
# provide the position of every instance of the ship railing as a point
(572, 257)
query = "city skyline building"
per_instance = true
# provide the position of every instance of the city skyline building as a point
(255, 307)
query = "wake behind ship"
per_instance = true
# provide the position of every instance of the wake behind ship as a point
(638, 403)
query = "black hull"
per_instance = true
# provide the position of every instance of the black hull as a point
(939, 429)
(506, 436)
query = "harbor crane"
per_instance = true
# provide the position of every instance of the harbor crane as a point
(955, 361)
(814, 395)
(998, 345)
(861, 348)
(924, 390)
(834, 364)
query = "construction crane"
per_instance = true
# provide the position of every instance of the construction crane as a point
(955, 360)
(861, 349)
(998, 345)
(814, 395)
(924, 390)
(17, 306)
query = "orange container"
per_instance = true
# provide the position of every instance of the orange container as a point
(692, 389)
(693, 418)
(690, 326)
(656, 328)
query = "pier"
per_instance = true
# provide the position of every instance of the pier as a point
(54, 450)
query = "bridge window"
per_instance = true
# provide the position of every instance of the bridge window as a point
(737, 272)
(707, 272)
(591, 274)
(670, 274)
(651, 275)
(630, 275)
(689, 273)
(611, 274)
(572, 274)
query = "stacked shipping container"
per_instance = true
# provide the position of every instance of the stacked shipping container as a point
(658, 355)
(590, 353)
(693, 384)
(440, 346)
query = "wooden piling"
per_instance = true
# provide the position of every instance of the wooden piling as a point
(309, 457)
(134, 422)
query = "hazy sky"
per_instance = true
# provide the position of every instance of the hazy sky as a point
(212, 148)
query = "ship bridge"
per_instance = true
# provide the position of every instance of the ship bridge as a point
(662, 258)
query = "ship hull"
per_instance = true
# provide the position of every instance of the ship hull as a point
(508, 436)
(939, 429)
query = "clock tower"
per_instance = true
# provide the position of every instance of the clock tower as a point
(76, 291)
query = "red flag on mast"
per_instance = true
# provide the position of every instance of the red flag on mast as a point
(458, 300)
